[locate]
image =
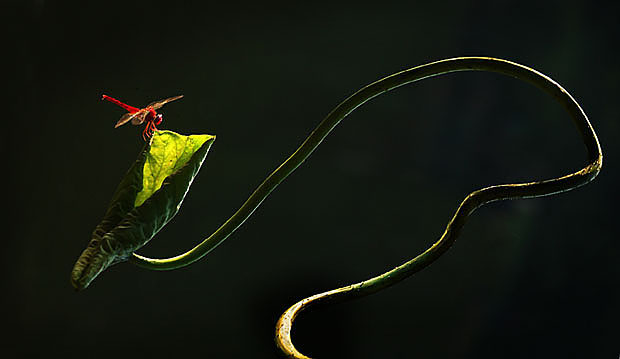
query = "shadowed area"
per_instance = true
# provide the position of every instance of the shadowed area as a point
(535, 278)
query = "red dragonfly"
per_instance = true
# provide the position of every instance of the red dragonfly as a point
(138, 116)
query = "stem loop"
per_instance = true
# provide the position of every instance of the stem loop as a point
(467, 207)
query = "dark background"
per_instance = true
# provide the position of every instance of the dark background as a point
(531, 278)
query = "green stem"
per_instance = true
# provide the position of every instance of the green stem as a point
(471, 202)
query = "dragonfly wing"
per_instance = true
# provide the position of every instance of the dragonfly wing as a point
(124, 119)
(139, 117)
(130, 117)
(158, 104)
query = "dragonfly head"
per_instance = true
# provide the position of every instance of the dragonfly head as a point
(158, 119)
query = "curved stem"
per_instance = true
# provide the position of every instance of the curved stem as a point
(471, 202)
(369, 92)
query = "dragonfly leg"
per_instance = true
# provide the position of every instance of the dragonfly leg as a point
(145, 132)
(148, 130)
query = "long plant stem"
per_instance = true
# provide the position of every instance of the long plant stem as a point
(471, 202)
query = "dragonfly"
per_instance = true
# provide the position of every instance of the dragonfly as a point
(138, 116)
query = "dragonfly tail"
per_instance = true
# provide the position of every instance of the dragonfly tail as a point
(128, 108)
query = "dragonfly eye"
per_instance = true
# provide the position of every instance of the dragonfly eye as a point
(158, 119)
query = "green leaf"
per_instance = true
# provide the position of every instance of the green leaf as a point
(169, 152)
(146, 199)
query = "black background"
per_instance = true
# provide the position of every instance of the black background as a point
(531, 278)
